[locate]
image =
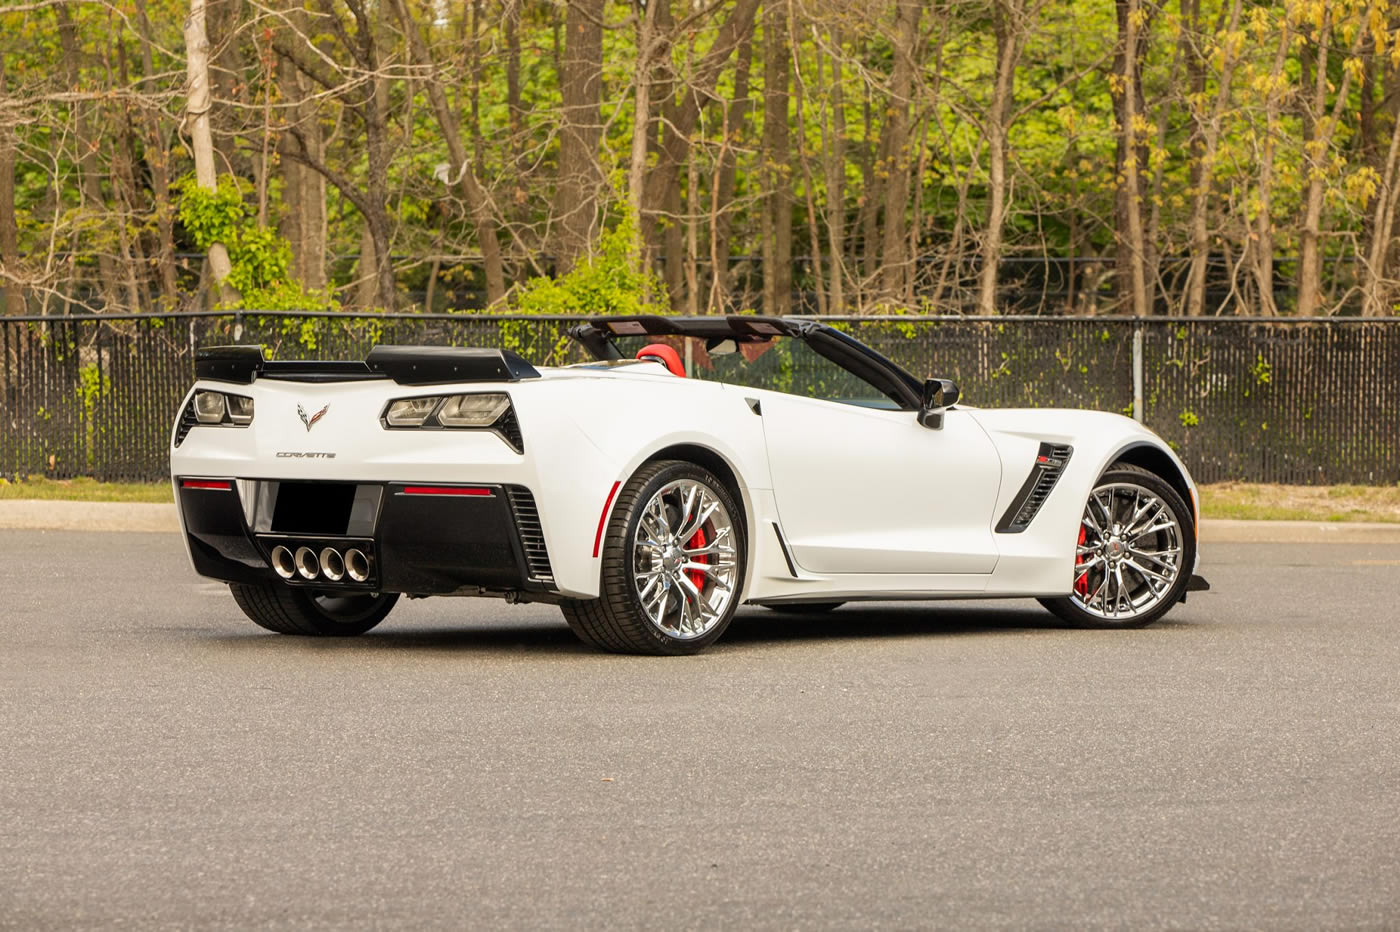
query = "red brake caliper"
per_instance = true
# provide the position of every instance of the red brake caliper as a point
(1081, 580)
(697, 576)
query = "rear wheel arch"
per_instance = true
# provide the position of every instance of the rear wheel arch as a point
(631, 614)
(723, 470)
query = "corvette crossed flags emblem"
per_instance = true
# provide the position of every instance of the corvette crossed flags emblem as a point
(310, 421)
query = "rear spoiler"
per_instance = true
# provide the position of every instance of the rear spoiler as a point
(406, 365)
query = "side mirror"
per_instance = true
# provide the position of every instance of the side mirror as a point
(939, 394)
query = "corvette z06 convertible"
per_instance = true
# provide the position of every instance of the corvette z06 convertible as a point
(696, 464)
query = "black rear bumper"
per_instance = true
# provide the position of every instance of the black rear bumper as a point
(420, 540)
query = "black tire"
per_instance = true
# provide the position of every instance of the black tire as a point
(293, 610)
(616, 621)
(1067, 609)
(804, 608)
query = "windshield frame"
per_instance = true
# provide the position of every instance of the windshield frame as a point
(599, 335)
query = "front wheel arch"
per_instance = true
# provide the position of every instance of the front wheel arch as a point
(1157, 461)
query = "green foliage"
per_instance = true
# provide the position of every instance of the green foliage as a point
(260, 258)
(607, 282)
(91, 384)
(210, 217)
(1263, 370)
(1188, 419)
(1061, 143)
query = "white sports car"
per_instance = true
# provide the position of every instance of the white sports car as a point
(696, 464)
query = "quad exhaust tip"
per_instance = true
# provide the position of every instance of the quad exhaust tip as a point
(332, 564)
(329, 564)
(283, 563)
(307, 564)
(356, 565)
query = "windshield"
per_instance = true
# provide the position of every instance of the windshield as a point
(780, 363)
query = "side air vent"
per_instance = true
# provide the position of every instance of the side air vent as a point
(1050, 463)
(187, 423)
(527, 523)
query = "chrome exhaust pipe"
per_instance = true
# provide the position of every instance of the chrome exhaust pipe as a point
(332, 564)
(282, 562)
(356, 565)
(306, 563)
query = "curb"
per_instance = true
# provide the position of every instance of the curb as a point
(1229, 531)
(142, 516)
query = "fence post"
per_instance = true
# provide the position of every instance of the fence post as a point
(1137, 370)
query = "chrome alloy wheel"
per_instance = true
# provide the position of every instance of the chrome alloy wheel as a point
(684, 562)
(1130, 552)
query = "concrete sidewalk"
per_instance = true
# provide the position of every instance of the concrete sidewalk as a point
(20, 514)
(124, 516)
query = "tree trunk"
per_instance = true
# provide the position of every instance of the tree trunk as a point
(834, 147)
(1208, 132)
(367, 282)
(662, 220)
(201, 141)
(809, 188)
(128, 201)
(894, 259)
(1374, 291)
(735, 122)
(304, 192)
(868, 220)
(157, 151)
(515, 108)
(303, 189)
(679, 118)
(9, 230)
(692, 240)
(461, 169)
(227, 82)
(1263, 244)
(1318, 126)
(1006, 25)
(89, 182)
(1132, 275)
(777, 194)
(641, 123)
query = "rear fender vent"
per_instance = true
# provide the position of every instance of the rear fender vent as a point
(1050, 463)
(527, 524)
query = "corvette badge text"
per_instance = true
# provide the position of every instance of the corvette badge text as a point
(283, 454)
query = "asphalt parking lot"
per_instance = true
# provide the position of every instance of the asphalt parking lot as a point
(165, 763)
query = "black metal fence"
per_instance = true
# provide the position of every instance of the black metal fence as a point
(1281, 400)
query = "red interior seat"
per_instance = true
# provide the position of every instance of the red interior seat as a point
(666, 355)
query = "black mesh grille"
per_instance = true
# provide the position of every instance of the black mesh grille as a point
(187, 422)
(1049, 465)
(508, 426)
(527, 523)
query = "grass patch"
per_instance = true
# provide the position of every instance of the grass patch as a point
(85, 490)
(1268, 502)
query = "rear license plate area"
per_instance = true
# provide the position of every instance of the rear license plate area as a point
(313, 507)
